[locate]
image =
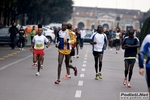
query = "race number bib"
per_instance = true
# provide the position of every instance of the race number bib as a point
(39, 46)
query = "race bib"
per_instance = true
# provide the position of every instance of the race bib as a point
(39, 46)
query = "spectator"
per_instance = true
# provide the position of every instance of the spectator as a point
(13, 31)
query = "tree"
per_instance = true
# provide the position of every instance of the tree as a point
(145, 29)
(38, 11)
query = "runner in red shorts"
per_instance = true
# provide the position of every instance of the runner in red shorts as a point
(38, 50)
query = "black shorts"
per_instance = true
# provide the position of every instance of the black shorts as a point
(130, 61)
(95, 53)
(148, 77)
(117, 41)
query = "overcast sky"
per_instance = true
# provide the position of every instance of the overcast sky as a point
(143, 5)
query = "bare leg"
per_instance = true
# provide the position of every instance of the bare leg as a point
(60, 61)
(40, 57)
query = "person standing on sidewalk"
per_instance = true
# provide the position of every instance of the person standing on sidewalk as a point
(130, 44)
(33, 33)
(64, 40)
(22, 37)
(145, 51)
(99, 44)
(13, 32)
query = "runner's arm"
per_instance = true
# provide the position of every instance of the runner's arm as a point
(143, 51)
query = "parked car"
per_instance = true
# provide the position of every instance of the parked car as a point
(5, 37)
(49, 34)
(87, 36)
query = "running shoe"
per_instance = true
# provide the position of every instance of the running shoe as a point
(125, 82)
(41, 66)
(75, 71)
(67, 76)
(96, 77)
(100, 75)
(74, 56)
(37, 74)
(77, 56)
(34, 65)
(57, 81)
(128, 84)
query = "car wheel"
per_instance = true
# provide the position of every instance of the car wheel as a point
(49, 38)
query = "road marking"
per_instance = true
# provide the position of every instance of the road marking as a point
(14, 53)
(14, 62)
(84, 65)
(5, 56)
(84, 61)
(19, 61)
(78, 94)
(80, 83)
(83, 69)
(1, 58)
(81, 75)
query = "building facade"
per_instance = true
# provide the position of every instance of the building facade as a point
(90, 18)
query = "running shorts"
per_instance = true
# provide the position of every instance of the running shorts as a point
(118, 41)
(38, 52)
(95, 53)
(130, 61)
(148, 77)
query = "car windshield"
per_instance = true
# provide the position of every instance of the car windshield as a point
(4, 31)
(88, 33)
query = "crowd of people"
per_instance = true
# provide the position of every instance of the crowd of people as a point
(67, 39)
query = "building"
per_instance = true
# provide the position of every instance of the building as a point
(90, 18)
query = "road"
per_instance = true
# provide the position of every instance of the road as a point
(18, 80)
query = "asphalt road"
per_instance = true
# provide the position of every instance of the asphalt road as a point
(18, 80)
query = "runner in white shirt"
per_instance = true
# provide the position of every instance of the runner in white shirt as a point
(99, 43)
(38, 43)
(117, 41)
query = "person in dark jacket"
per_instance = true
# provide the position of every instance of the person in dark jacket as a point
(22, 37)
(13, 31)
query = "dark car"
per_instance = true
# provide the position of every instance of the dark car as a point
(88, 36)
(5, 37)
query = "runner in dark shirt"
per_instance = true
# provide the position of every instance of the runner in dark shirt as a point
(130, 44)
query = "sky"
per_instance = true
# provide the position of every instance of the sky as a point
(142, 5)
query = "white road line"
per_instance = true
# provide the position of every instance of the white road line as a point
(81, 75)
(15, 62)
(18, 61)
(80, 83)
(84, 61)
(78, 94)
(83, 69)
(84, 65)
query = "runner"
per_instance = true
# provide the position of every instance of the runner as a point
(64, 39)
(117, 41)
(38, 43)
(99, 43)
(42, 61)
(130, 44)
(145, 50)
(78, 38)
(33, 33)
